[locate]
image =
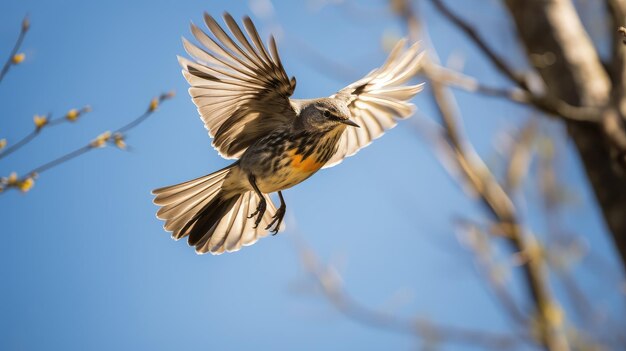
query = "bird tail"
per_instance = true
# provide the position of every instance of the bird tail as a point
(215, 220)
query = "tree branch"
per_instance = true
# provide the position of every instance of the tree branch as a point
(473, 35)
(331, 287)
(117, 138)
(548, 104)
(499, 206)
(13, 58)
(44, 122)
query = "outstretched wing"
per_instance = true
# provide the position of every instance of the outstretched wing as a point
(377, 100)
(241, 90)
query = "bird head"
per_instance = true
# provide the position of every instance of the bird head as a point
(326, 114)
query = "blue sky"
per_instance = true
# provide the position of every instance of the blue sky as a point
(86, 265)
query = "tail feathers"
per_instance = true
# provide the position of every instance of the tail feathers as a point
(234, 229)
(215, 221)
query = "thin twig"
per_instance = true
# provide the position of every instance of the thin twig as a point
(463, 81)
(67, 157)
(16, 48)
(426, 330)
(557, 256)
(37, 130)
(472, 33)
(154, 104)
(520, 157)
(486, 268)
(18, 145)
(117, 138)
(548, 104)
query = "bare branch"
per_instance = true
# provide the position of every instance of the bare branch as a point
(117, 138)
(41, 123)
(473, 35)
(520, 157)
(548, 104)
(460, 80)
(476, 240)
(14, 57)
(607, 117)
(500, 207)
(428, 331)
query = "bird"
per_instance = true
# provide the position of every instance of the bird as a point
(243, 95)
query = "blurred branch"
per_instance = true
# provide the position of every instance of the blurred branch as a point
(117, 138)
(578, 77)
(575, 88)
(498, 204)
(14, 57)
(547, 104)
(473, 35)
(564, 250)
(552, 104)
(477, 241)
(42, 122)
(501, 207)
(460, 80)
(520, 157)
(429, 332)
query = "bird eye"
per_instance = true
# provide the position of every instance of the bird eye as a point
(327, 114)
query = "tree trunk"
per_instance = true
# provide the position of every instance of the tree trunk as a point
(578, 77)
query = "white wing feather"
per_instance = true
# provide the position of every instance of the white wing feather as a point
(378, 100)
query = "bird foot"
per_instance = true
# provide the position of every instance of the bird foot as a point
(260, 211)
(277, 219)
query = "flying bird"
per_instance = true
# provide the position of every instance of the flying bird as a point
(243, 95)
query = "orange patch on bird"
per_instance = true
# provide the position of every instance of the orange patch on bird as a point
(309, 164)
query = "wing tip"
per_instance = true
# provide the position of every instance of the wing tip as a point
(207, 16)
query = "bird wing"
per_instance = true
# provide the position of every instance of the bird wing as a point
(241, 90)
(378, 99)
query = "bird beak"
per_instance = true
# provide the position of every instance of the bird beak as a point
(350, 123)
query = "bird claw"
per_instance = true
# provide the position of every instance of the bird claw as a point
(260, 211)
(277, 219)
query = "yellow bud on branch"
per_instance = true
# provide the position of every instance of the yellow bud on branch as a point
(101, 139)
(72, 115)
(18, 58)
(26, 184)
(154, 104)
(40, 121)
(118, 139)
